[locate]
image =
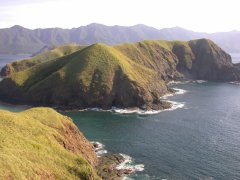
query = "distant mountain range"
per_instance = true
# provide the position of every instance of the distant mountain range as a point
(17, 39)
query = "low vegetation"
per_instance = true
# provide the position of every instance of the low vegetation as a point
(40, 58)
(31, 147)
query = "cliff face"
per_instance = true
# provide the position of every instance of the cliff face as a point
(211, 62)
(127, 75)
(39, 143)
(202, 59)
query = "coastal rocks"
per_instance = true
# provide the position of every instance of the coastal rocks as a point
(107, 167)
(114, 166)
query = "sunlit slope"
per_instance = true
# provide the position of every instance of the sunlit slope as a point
(40, 58)
(40, 143)
(97, 76)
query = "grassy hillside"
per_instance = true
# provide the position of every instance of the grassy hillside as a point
(96, 76)
(43, 57)
(34, 145)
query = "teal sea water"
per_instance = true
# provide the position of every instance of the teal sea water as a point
(201, 140)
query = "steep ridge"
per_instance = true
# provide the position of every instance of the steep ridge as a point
(203, 59)
(40, 143)
(127, 75)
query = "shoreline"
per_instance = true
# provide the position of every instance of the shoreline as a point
(114, 166)
(132, 110)
(136, 110)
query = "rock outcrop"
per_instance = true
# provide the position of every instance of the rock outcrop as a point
(203, 59)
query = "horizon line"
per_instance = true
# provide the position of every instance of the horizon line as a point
(125, 26)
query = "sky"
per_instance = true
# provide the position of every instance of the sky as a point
(197, 15)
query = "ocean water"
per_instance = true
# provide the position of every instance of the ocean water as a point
(199, 140)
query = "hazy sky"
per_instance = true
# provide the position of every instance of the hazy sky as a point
(197, 15)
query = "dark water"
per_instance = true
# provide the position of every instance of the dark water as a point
(199, 141)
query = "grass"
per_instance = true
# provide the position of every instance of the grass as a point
(81, 66)
(29, 149)
(44, 57)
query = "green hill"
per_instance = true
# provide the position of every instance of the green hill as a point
(39, 58)
(97, 76)
(39, 143)
(127, 75)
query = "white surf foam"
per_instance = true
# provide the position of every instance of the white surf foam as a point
(134, 111)
(99, 148)
(200, 81)
(177, 92)
(189, 81)
(235, 82)
(177, 82)
(129, 165)
(175, 105)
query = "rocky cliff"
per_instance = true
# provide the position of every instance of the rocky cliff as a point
(39, 143)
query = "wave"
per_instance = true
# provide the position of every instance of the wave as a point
(175, 105)
(235, 82)
(189, 81)
(177, 92)
(128, 165)
(99, 148)
(200, 81)
(135, 111)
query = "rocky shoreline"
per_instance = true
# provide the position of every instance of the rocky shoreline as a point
(165, 105)
(114, 166)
